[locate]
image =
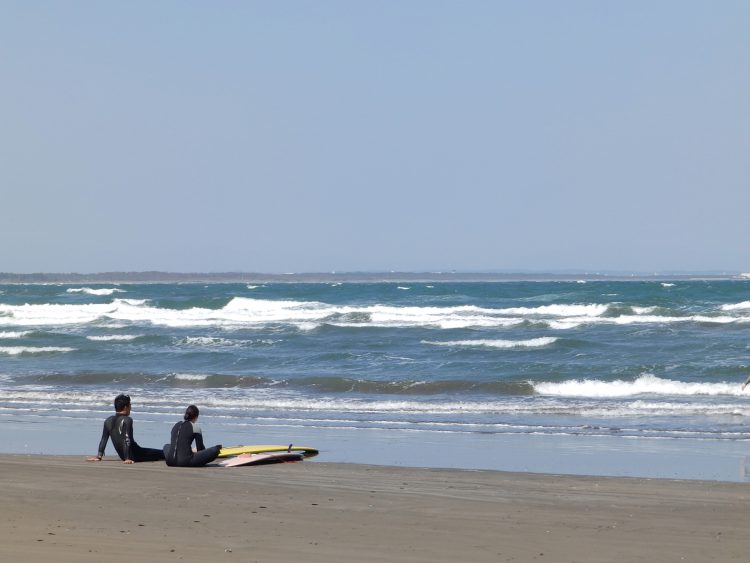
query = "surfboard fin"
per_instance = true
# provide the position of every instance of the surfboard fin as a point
(290, 449)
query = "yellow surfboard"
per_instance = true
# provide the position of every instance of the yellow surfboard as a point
(237, 450)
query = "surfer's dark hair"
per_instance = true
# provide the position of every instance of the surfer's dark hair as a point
(121, 401)
(192, 412)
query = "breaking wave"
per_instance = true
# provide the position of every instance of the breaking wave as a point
(91, 291)
(646, 384)
(21, 350)
(242, 312)
(113, 337)
(502, 344)
(14, 334)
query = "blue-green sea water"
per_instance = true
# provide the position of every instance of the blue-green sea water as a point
(432, 363)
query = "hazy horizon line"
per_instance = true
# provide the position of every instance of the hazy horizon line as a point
(359, 275)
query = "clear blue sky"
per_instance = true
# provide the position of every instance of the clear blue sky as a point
(313, 136)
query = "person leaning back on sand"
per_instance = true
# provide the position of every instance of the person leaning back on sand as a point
(119, 427)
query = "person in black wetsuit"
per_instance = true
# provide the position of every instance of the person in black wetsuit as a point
(179, 453)
(119, 427)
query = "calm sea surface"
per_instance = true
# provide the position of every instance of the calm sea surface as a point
(636, 360)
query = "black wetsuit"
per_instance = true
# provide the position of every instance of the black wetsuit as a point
(120, 428)
(179, 453)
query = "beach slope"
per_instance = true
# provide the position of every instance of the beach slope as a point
(65, 509)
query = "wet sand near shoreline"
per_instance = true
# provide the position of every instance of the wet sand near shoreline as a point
(61, 508)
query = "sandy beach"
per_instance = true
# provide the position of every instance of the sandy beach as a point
(61, 508)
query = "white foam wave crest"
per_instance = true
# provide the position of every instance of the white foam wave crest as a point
(14, 334)
(53, 314)
(502, 344)
(47, 397)
(91, 291)
(18, 350)
(207, 341)
(575, 322)
(646, 384)
(190, 376)
(243, 312)
(113, 337)
(743, 306)
(591, 310)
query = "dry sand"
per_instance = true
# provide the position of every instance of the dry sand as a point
(65, 509)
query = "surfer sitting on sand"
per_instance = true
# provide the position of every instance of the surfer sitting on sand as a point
(178, 452)
(119, 427)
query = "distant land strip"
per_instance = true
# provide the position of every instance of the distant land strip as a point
(351, 277)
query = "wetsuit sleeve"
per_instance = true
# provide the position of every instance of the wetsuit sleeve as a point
(126, 431)
(103, 441)
(198, 436)
(199, 441)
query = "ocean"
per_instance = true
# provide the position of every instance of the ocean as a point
(606, 377)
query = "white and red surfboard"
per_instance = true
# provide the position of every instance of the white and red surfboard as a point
(263, 458)
(237, 450)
